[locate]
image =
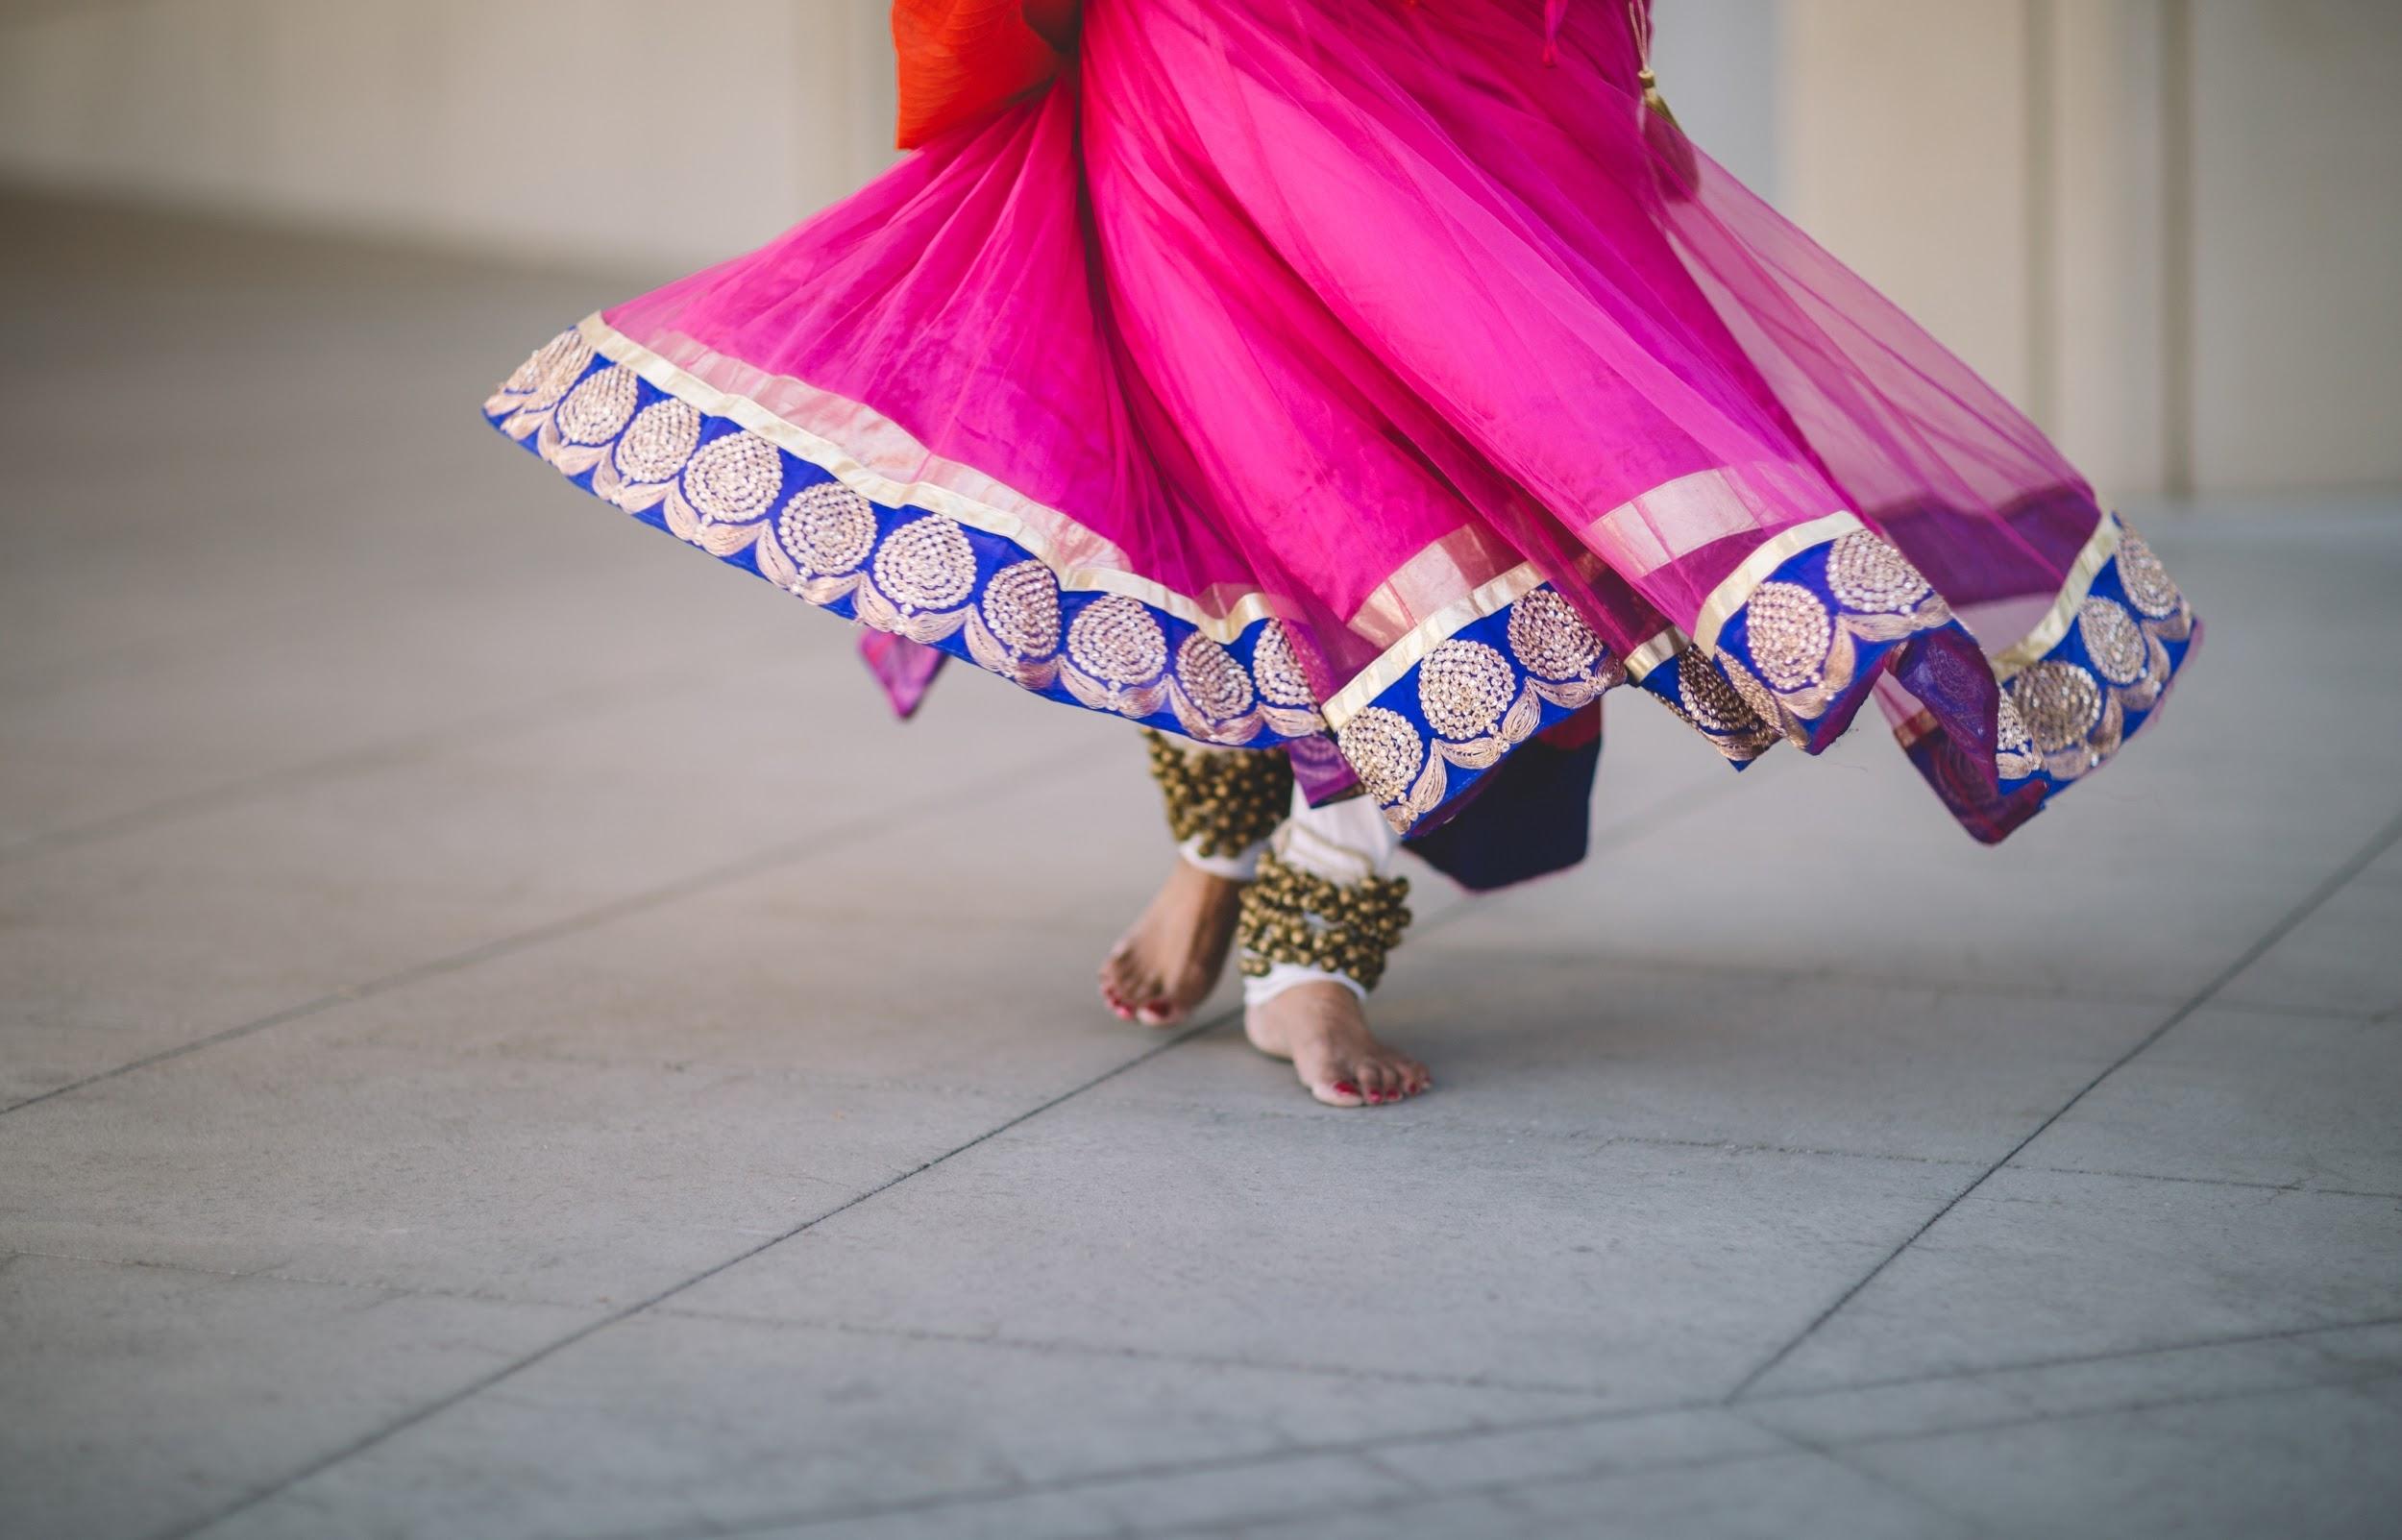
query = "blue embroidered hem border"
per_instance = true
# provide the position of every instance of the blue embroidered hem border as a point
(978, 596)
(2066, 714)
(1797, 658)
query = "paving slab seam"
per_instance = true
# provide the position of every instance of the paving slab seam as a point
(628, 1312)
(12, 1253)
(795, 851)
(1834, 1453)
(773, 1524)
(2301, 1186)
(788, 853)
(732, 1067)
(2068, 1361)
(2361, 860)
(1373, 1448)
(667, 895)
(2117, 1408)
(1831, 1451)
(296, 614)
(1162, 1047)
(1117, 1351)
(275, 1273)
(2359, 1016)
(1411, 1118)
(1499, 1491)
(1738, 1147)
(1188, 1034)
(497, 726)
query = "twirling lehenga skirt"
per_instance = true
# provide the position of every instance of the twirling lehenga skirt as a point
(1335, 373)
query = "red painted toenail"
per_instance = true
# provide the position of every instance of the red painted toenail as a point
(1345, 1088)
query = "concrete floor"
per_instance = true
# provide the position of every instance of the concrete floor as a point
(503, 1038)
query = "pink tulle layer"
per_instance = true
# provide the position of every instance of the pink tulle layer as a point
(1361, 316)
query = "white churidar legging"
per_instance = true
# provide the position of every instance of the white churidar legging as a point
(1341, 842)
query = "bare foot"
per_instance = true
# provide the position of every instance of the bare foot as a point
(1160, 970)
(1322, 1029)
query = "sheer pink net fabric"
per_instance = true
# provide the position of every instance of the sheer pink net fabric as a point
(1345, 309)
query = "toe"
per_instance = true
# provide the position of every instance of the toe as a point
(1136, 992)
(1159, 1012)
(1337, 1092)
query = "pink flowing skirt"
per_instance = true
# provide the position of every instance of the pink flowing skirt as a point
(1335, 374)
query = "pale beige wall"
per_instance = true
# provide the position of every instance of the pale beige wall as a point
(2100, 304)
(1905, 153)
(609, 130)
(2297, 215)
(2009, 170)
(1718, 63)
(2002, 167)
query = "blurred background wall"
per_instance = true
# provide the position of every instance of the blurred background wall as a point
(2171, 228)
(642, 132)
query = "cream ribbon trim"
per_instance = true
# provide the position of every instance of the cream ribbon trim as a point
(2046, 634)
(1394, 664)
(1734, 591)
(993, 507)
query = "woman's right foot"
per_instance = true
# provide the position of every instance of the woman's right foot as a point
(1323, 1029)
(1170, 961)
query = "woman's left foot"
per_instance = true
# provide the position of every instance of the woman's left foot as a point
(1171, 959)
(1323, 1029)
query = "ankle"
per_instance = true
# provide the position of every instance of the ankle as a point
(1190, 877)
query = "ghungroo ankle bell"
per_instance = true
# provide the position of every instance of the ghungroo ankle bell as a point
(1229, 800)
(1296, 916)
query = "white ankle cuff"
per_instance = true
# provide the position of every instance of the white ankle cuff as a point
(1240, 868)
(1341, 842)
(1282, 976)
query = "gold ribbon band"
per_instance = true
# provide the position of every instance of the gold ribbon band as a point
(991, 506)
(1660, 649)
(2047, 632)
(1734, 591)
(1395, 662)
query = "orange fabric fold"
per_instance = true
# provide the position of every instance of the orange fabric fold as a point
(961, 60)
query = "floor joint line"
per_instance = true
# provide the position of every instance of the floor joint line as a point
(495, 726)
(791, 852)
(617, 1317)
(1368, 1447)
(2341, 878)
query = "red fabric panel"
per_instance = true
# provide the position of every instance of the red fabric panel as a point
(962, 59)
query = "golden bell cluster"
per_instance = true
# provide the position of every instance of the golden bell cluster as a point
(1357, 925)
(1229, 800)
